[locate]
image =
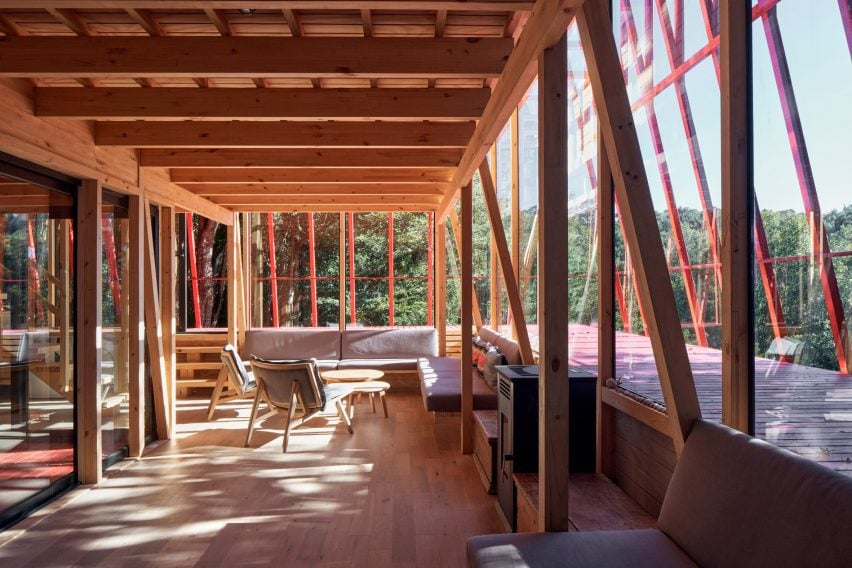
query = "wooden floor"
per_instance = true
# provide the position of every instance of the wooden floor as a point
(395, 493)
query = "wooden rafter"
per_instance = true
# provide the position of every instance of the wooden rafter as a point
(271, 57)
(311, 175)
(317, 189)
(308, 104)
(305, 134)
(638, 218)
(296, 157)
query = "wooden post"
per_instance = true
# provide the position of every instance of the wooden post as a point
(246, 261)
(154, 331)
(232, 251)
(66, 341)
(553, 447)
(501, 247)
(240, 290)
(606, 309)
(136, 327)
(466, 259)
(89, 297)
(441, 285)
(737, 216)
(167, 305)
(638, 218)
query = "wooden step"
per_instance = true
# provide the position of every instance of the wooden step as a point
(199, 365)
(198, 383)
(214, 349)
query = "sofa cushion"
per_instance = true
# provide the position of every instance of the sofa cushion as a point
(488, 335)
(379, 364)
(293, 343)
(508, 347)
(439, 364)
(442, 391)
(737, 501)
(639, 548)
(396, 343)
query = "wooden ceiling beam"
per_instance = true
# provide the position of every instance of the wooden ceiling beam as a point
(284, 200)
(248, 57)
(548, 21)
(220, 20)
(201, 134)
(308, 104)
(146, 21)
(417, 5)
(304, 189)
(330, 207)
(379, 176)
(300, 157)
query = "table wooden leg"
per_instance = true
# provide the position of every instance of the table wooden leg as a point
(373, 402)
(384, 403)
(350, 407)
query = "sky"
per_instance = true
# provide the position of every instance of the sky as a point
(821, 70)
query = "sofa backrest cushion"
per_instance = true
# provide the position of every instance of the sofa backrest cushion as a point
(293, 343)
(377, 343)
(509, 348)
(737, 501)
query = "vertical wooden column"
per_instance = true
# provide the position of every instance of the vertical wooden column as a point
(89, 284)
(638, 218)
(231, 246)
(606, 308)
(737, 216)
(242, 308)
(441, 285)
(552, 279)
(136, 327)
(246, 258)
(154, 331)
(466, 245)
(167, 305)
(66, 341)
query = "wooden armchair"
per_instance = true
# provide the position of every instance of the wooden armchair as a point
(234, 381)
(286, 385)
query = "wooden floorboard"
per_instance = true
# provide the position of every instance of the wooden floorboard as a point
(397, 492)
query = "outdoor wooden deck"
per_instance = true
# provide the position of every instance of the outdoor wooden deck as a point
(803, 409)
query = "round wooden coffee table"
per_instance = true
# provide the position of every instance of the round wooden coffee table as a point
(366, 382)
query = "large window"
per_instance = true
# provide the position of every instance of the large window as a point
(203, 245)
(675, 99)
(37, 435)
(802, 85)
(115, 331)
(528, 205)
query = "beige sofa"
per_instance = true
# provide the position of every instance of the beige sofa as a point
(385, 349)
(440, 377)
(733, 501)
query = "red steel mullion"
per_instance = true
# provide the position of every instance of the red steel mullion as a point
(643, 64)
(767, 275)
(390, 270)
(352, 308)
(807, 185)
(312, 263)
(845, 15)
(430, 268)
(273, 270)
(193, 268)
(112, 263)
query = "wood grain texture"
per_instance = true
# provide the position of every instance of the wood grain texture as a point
(394, 493)
(168, 284)
(136, 290)
(312, 175)
(298, 157)
(554, 449)
(638, 218)
(441, 285)
(319, 189)
(737, 217)
(297, 134)
(89, 310)
(239, 103)
(269, 57)
(154, 332)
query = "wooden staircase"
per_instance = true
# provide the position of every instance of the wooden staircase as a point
(197, 360)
